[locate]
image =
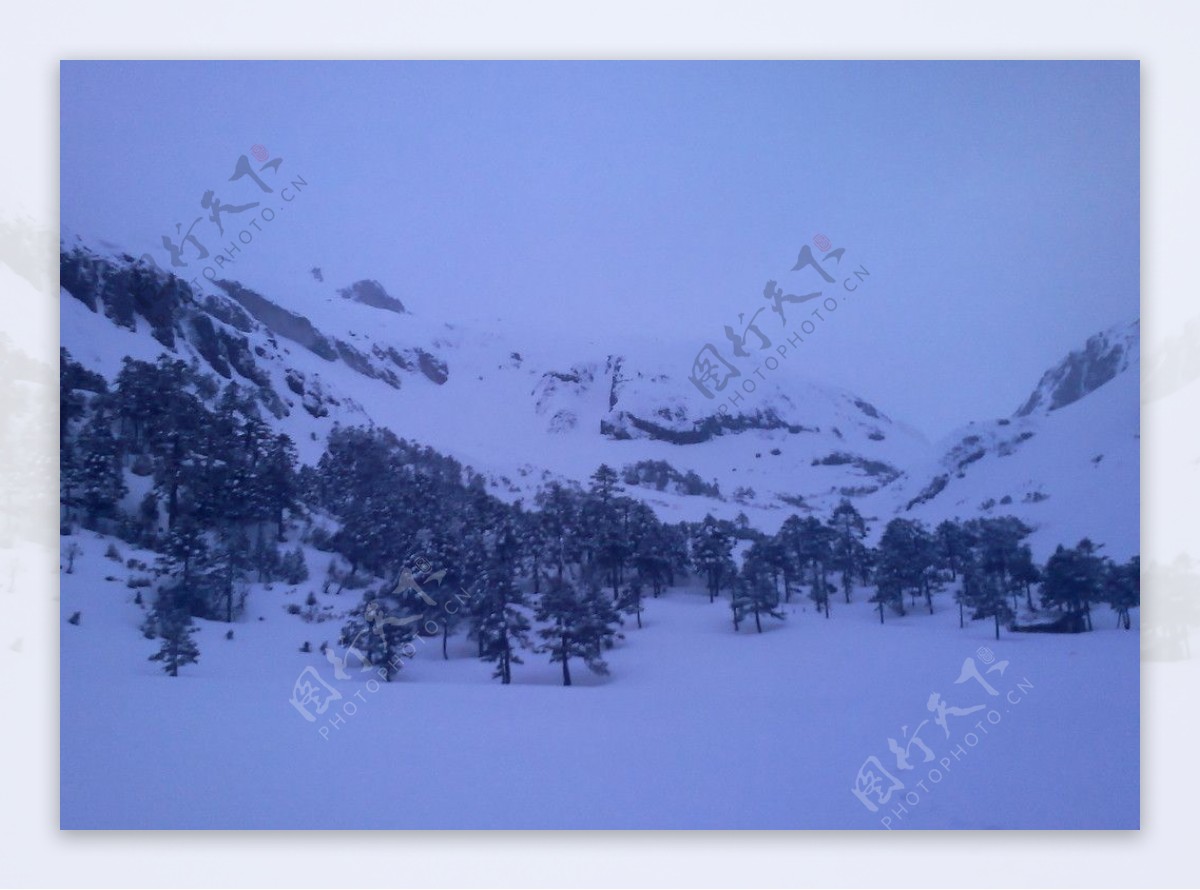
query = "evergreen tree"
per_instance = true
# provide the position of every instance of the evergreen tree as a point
(1074, 579)
(997, 543)
(649, 550)
(675, 549)
(579, 622)
(95, 477)
(74, 382)
(174, 627)
(985, 593)
(1123, 589)
(889, 587)
(503, 627)
(380, 631)
(712, 554)
(187, 562)
(755, 591)
(953, 547)
(849, 552)
(230, 563)
(815, 554)
(556, 539)
(1025, 573)
(605, 519)
(905, 563)
(162, 416)
(630, 602)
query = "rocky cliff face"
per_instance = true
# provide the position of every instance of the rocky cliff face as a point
(1085, 370)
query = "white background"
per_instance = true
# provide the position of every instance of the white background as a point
(34, 37)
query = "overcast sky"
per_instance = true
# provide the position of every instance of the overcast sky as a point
(994, 204)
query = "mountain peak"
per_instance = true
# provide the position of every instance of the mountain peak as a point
(1103, 357)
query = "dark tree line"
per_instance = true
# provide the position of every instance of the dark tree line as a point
(986, 558)
(224, 502)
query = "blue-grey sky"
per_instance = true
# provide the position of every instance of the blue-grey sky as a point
(995, 204)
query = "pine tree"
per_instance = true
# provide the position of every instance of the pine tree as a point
(580, 622)
(755, 591)
(292, 566)
(985, 593)
(889, 589)
(556, 539)
(231, 564)
(95, 477)
(276, 491)
(161, 416)
(649, 546)
(905, 562)
(849, 553)
(712, 549)
(1123, 589)
(380, 631)
(997, 543)
(503, 628)
(605, 519)
(174, 626)
(1025, 573)
(631, 598)
(1074, 579)
(815, 553)
(953, 547)
(675, 549)
(187, 562)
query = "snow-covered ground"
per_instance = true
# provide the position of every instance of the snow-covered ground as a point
(696, 727)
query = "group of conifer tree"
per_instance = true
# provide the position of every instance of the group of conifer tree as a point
(227, 503)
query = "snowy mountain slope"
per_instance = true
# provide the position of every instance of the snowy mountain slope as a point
(1066, 463)
(520, 417)
(523, 413)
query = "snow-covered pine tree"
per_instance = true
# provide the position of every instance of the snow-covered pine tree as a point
(186, 564)
(579, 622)
(755, 590)
(559, 529)
(1074, 579)
(905, 562)
(503, 627)
(807, 557)
(849, 553)
(605, 518)
(1123, 586)
(953, 545)
(380, 632)
(986, 594)
(173, 626)
(631, 598)
(712, 549)
(96, 481)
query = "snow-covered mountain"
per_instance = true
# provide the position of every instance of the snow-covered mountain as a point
(1103, 357)
(1066, 462)
(525, 413)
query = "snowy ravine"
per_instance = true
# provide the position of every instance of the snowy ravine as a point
(697, 726)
